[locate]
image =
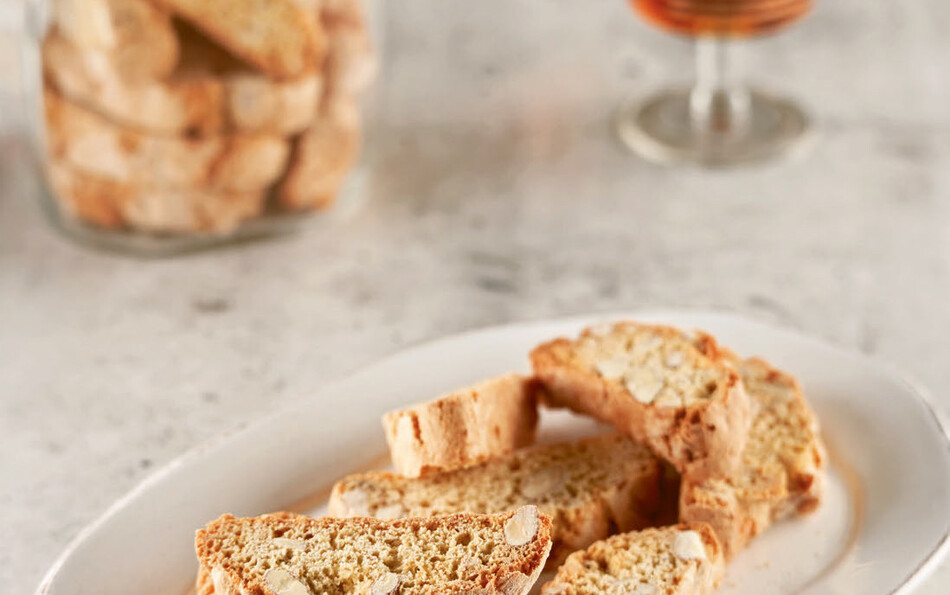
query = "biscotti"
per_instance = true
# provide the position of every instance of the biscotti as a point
(591, 488)
(321, 159)
(137, 35)
(672, 390)
(463, 428)
(92, 144)
(781, 464)
(253, 102)
(677, 560)
(146, 47)
(240, 101)
(351, 61)
(203, 97)
(325, 153)
(279, 37)
(113, 204)
(87, 23)
(286, 554)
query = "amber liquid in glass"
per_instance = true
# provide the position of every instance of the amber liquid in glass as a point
(722, 18)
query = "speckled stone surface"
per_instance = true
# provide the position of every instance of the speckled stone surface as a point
(497, 194)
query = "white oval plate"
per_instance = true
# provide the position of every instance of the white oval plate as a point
(882, 528)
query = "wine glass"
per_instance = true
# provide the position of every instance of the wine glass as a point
(720, 121)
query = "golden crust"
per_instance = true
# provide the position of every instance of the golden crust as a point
(463, 428)
(351, 59)
(276, 36)
(326, 152)
(643, 562)
(349, 554)
(113, 204)
(592, 488)
(146, 45)
(206, 95)
(322, 157)
(203, 584)
(94, 145)
(782, 461)
(703, 431)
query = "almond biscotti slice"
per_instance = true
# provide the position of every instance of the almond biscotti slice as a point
(782, 463)
(115, 205)
(326, 152)
(279, 37)
(592, 488)
(286, 554)
(463, 428)
(146, 46)
(137, 35)
(97, 146)
(202, 97)
(322, 157)
(87, 23)
(91, 77)
(252, 101)
(351, 63)
(677, 560)
(674, 391)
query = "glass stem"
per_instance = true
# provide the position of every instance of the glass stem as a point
(719, 103)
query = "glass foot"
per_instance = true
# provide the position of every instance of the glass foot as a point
(661, 129)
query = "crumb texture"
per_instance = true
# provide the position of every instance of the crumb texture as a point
(284, 553)
(784, 431)
(648, 562)
(591, 488)
(464, 428)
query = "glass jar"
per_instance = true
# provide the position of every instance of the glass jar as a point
(165, 126)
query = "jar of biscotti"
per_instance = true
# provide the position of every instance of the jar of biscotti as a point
(163, 126)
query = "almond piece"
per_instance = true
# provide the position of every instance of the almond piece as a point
(291, 544)
(386, 584)
(674, 359)
(390, 512)
(542, 483)
(647, 344)
(612, 368)
(644, 385)
(515, 584)
(522, 526)
(282, 582)
(668, 399)
(356, 503)
(469, 566)
(688, 545)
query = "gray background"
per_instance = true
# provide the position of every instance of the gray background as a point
(497, 194)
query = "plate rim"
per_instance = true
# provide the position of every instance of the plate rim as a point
(941, 549)
(921, 393)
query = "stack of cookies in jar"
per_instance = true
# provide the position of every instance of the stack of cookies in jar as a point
(194, 116)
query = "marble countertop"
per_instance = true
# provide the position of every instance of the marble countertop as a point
(497, 193)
